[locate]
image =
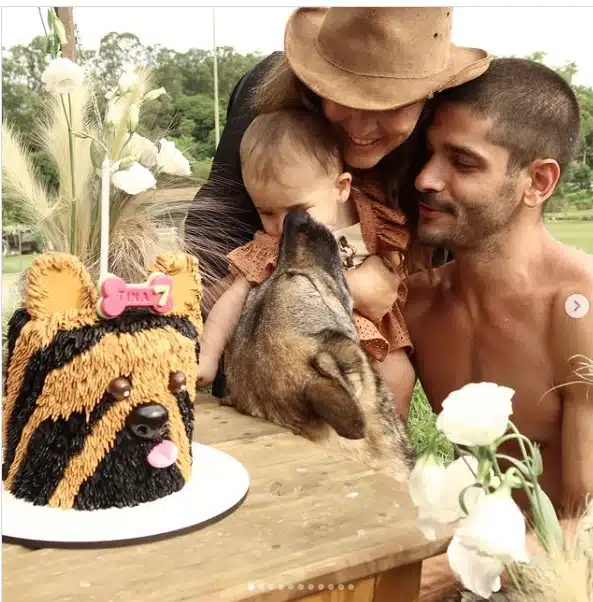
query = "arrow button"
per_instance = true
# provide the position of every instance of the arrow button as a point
(577, 306)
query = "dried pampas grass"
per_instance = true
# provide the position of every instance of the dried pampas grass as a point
(136, 222)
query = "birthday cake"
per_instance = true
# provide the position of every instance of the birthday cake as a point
(98, 406)
(102, 354)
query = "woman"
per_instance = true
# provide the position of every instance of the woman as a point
(370, 72)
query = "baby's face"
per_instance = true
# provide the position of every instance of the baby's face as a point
(298, 187)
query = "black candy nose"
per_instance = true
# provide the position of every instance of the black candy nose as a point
(147, 421)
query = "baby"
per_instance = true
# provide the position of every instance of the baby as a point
(289, 160)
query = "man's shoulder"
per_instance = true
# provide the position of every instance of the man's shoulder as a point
(572, 309)
(574, 270)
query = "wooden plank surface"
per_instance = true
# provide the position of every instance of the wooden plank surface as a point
(310, 518)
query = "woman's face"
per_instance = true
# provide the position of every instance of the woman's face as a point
(368, 136)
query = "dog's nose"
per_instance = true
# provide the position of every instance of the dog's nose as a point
(147, 421)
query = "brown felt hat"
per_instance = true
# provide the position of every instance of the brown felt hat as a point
(378, 58)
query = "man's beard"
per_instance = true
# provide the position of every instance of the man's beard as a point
(467, 227)
(432, 235)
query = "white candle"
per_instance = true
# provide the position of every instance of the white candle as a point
(104, 257)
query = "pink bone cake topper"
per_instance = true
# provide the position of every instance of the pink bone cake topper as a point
(116, 295)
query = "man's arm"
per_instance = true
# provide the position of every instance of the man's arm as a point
(574, 363)
(420, 293)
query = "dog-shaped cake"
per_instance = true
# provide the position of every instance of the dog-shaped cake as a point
(98, 411)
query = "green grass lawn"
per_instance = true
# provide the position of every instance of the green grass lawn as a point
(572, 213)
(421, 424)
(575, 234)
(14, 264)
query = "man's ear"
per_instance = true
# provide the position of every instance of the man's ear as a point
(344, 184)
(544, 175)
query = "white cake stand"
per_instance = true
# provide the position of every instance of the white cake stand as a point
(218, 484)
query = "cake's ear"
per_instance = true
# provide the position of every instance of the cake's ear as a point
(58, 282)
(184, 270)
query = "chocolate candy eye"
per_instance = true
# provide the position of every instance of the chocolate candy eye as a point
(177, 382)
(120, 388)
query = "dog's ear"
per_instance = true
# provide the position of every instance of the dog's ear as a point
(333, 398)
(187, 285)
(58, 283)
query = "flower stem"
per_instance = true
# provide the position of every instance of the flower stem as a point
(68, 115)
(125, 144)
(526, 484)
(460, 453)
(85, 135)
(521, 439)
(496, 466)
(536, 501)
(516, 463)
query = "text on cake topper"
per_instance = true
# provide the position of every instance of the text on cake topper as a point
(116, 295)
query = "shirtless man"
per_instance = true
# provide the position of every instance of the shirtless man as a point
(498, 147)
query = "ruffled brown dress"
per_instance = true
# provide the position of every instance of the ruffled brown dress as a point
(383, 231)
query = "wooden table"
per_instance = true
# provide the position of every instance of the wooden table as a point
(313, 526)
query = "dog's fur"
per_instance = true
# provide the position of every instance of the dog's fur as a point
(295, 358)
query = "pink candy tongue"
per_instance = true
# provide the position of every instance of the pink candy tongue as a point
(163, 455)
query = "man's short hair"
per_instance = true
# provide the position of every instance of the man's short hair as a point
(534, 110)
(275, 140)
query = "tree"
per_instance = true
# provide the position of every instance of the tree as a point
(185, 114)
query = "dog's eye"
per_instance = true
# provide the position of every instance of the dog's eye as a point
(120, 388)
(177, 382)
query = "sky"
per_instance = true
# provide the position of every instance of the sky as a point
(564, 34)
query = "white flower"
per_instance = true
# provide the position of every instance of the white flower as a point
(154, 94)
(134, 179)
(426, 481)
(116, 111)
(435, 490)
(133, 117)
(476, 414)
(143, 149)
(459, 475)
(496, 526)
(491, 536)
(171, 160)
(62, 76)
(127, 81)
(110, 93)
(478, 573)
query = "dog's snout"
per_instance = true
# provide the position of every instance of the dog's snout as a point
(147, 421)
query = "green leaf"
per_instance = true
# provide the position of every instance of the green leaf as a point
(537, 464)
(546, 521)
(126, 162)
(60, 32)
(51, 17)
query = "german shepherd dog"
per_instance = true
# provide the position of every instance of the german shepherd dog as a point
(98, 413)
(295, 358)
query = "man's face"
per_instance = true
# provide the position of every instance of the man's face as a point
(467, 196)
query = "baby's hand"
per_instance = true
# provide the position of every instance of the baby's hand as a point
(206, 372)
(374, 288)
